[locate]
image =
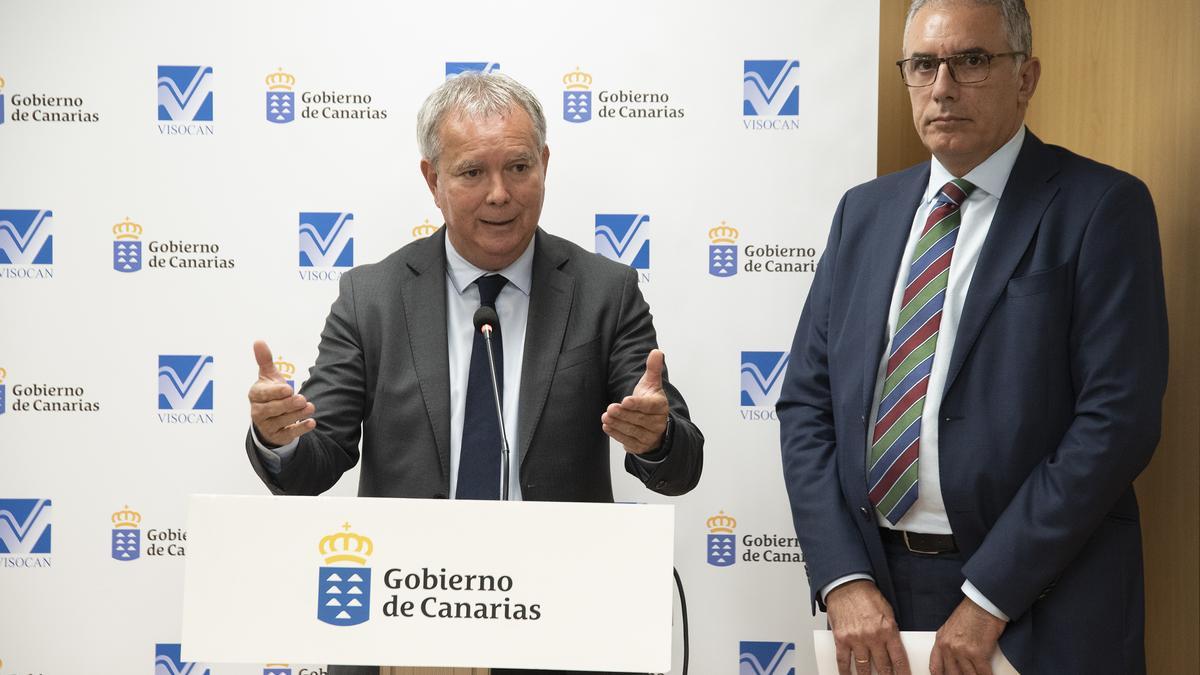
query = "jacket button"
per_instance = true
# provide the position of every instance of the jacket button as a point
(660, 483)
(865, 513)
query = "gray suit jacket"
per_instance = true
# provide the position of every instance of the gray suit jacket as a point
(382, 375)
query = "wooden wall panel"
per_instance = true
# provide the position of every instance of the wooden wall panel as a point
(1121, 84)
(899, 145)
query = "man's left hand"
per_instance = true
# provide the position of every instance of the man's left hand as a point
(639, 421)
(966, 642)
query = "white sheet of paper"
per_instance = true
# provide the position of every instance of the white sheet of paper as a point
(918, 644)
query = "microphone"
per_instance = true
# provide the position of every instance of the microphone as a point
(485, 318)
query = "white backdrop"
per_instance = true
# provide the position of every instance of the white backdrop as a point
(82, 149)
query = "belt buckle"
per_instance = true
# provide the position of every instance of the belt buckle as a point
(910, 548)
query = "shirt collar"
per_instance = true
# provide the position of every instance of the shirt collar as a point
(462, 273)
(990, 177)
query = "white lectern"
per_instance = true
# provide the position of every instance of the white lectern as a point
(358, 581)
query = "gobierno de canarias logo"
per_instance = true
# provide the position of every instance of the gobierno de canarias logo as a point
(126, 535)
(344, 581)
(722, 543)
(722, 252)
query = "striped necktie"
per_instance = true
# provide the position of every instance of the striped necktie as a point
(896, 441)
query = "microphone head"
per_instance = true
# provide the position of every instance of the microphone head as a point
(486, 316)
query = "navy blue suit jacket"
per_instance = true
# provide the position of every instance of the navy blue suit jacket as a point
(1052, 404)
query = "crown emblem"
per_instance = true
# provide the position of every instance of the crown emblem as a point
(3, 374)
(577, 79)
(127, 229)
(280, 80)
(722, 523)
(126, 518)
(285, 368)
(723, 234)
(424, 230)
(1, 82)
(346, 547)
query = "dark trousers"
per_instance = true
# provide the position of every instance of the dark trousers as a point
(928, 587)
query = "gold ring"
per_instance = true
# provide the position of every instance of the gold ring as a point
(862, 660)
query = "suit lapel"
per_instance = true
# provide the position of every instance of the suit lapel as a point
(424, 294)
(883, 250)
(551, 294)
(1017, 218)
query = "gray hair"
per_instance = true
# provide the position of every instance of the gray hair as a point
(477, 95)
(1016, 21)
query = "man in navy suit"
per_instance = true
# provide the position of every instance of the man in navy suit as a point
(976, 380)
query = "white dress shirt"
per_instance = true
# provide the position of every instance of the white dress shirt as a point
(928, 514)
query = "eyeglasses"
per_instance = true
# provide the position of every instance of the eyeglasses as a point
(921, 71)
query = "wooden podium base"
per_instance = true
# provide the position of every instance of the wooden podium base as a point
(403, 670)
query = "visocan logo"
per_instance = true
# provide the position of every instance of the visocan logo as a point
(762, 379)
(625, 238)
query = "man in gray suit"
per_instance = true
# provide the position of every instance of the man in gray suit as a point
(396, 352)
(399, 356)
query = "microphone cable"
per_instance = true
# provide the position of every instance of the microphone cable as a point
(684, 614)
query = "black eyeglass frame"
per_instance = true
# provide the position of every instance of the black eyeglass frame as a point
(939, 60)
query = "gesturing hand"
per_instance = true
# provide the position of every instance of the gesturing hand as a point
(639, 421)
(279, 415)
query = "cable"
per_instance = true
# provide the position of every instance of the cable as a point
(683, 611)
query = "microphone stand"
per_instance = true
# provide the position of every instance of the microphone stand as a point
(504, 470)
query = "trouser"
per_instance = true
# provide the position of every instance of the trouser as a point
(928, 587)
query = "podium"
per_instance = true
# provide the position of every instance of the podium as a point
(428, 583)
(402, 670)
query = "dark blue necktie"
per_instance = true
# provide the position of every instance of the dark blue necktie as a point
(479, 458)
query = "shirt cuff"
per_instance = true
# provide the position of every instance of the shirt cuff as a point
(978, 598)
(843, 580)
(659, 454)
(273, 458)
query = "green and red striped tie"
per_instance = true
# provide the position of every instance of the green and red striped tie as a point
(896, 441)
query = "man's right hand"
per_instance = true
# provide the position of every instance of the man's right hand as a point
(864, 630)
(279, 415)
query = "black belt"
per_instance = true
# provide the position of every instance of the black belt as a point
(925, 544)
